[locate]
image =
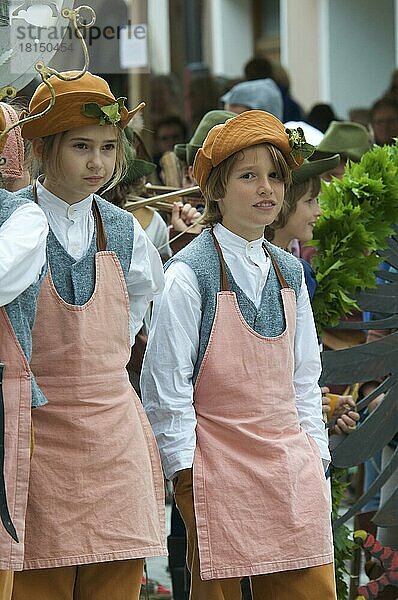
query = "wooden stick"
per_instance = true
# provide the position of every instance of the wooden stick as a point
(151, 201)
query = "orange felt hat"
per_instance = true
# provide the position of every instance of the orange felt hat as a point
(70, 99)
(247, 129)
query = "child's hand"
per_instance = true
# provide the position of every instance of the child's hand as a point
(184, 215)
(345, 417)
(325, 402)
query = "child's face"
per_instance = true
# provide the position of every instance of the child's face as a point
(254, 194)
(301, 223)
(87, 156)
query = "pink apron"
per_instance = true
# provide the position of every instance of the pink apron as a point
(260, 496)
(17, 410)
(96, 490)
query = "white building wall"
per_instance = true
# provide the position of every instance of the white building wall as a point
(228, 36)
(362, 49)
(339, 51)
(302, 48)
(159, 36)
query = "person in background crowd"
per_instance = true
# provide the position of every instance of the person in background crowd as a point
(360, 115)
(170, 131)
(292, 110)
(260, 94)
(384, 121)
(258, 68)
(296, 221)
(392, 91)
(186, 152)
(320, 116)
(165, 98)
(349, 140)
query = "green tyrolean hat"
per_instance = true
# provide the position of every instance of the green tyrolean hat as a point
(187, 152)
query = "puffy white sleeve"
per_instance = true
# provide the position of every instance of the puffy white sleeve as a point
(144, 280)
(22, 250)
(171, 354)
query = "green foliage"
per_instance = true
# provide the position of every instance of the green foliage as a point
(344, 545)
(107, 115)
(358, 214)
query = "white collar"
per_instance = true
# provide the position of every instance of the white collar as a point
(53, 204)
(234, 243)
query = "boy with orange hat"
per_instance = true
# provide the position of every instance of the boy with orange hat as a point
(23, 232)
(239, 422)
(96, 502)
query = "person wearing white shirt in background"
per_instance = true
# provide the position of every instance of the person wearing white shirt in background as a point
(229, 381)
(23, 233)
(295, 222)
(96, 495)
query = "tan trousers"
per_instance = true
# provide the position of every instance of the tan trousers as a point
(118, 580)
(313, 583)
(6, 579)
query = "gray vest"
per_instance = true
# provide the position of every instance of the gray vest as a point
(22, 310)
(268, 320)
(74, 280)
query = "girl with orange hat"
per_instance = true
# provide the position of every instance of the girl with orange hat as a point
(95, 506)
(23, 232)
(239, 422)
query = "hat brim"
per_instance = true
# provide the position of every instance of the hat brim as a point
(66, 114)
(191, 151)
(180, 151)
(314, 167)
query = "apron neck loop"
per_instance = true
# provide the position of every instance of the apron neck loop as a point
(99, 225)
(102, 240)
(278, 272)
(223, 270)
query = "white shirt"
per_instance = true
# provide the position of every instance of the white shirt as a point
(158, 233)
(73, 226)
(22, 250)
(166, 381)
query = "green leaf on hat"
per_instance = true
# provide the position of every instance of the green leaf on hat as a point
(91, 109)
(109, 114)
(299, 145)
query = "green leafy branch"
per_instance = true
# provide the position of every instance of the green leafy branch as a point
(358, 214)
(343, 542)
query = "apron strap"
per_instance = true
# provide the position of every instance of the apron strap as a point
(99, 225)
(278, 272)
(223, 270)
(102, 239)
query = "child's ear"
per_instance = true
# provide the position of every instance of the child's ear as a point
(37, 147)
